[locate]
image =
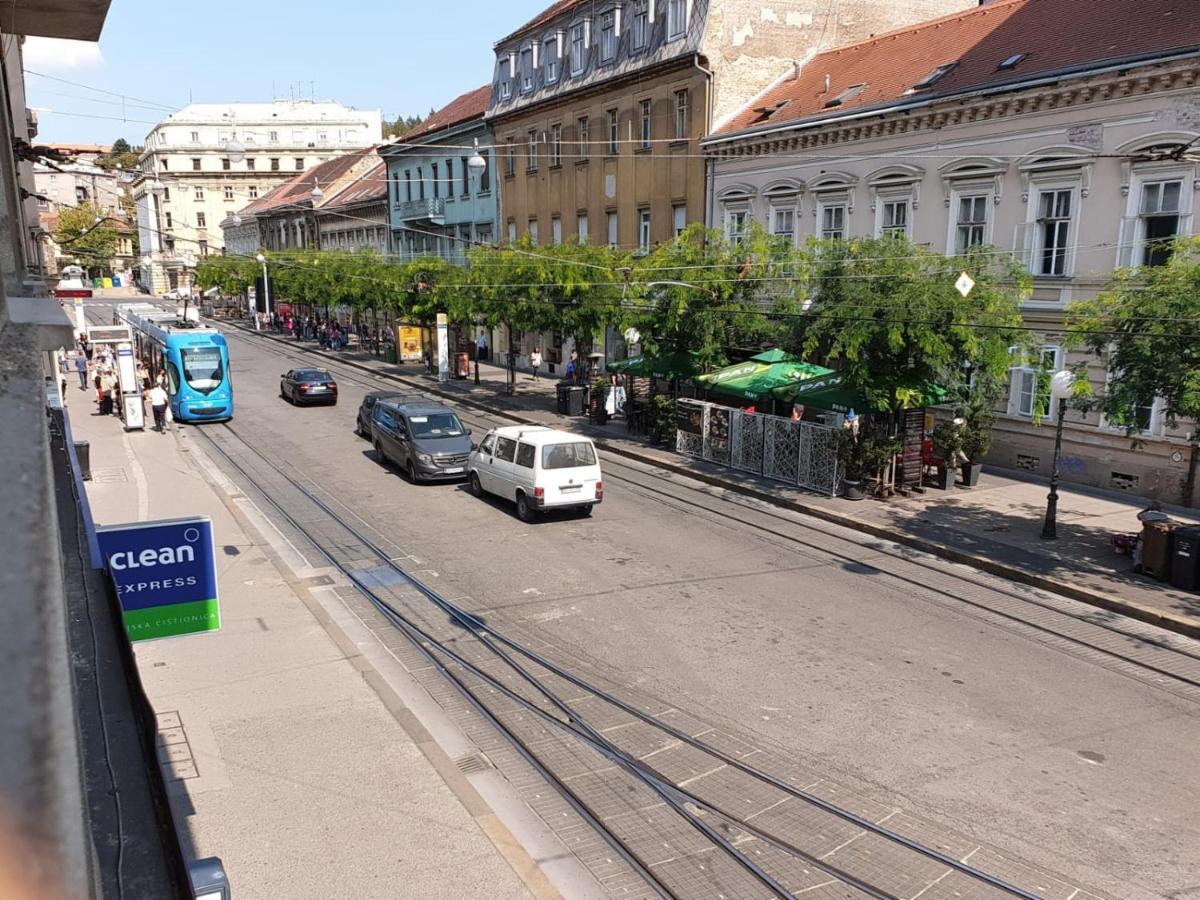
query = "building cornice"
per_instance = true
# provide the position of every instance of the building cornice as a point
(984, 105)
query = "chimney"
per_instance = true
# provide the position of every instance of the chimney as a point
(827, 84)
(796, 69)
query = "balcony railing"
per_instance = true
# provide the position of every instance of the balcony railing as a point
(432, 208)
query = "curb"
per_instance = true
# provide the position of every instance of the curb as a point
(1166, 620)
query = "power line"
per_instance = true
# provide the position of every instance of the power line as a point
(88, 87)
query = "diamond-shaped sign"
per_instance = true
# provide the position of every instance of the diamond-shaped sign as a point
(964, 284)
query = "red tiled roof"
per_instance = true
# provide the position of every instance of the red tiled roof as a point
(472, 104)
(299, 189)
(1051, 35)
(543, 17)
(370, 185)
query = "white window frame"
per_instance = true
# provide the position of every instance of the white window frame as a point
(613, 225)
(1038, 187)
(646, 123)
(608, 36)
(1023, 371)
(556, 145)
(1131, 251)
(552, 58)
(581, 225)
(525, 67)
(735, 219)
(556, 230)
(639, 35)
(612, 127)
(579, 47)
(643, 231)
(902, 199)
(783, 208)
(830, 202)
(678, 14)
(678, 219)
(1157, 414)
(683, 114)
(970, 190)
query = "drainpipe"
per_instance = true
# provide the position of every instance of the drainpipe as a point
(709, 174)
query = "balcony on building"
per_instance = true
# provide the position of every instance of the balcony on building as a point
(431, 209)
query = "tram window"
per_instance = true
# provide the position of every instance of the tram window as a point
(202, 368)
(172, 378)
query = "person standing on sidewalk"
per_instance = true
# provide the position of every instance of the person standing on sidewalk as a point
(81, 366)
(535, 361)
(158, 404)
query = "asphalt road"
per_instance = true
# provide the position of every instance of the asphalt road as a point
(1069, 761)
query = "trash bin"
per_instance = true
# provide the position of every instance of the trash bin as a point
(83, 452)
(389, 354)
(116, 281)
(1185, 558)
(1156, 548)
(576, 400)
(562, 394)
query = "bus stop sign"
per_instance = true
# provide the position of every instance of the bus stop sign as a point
(165, 574)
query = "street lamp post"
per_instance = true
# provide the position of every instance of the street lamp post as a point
(476, 165)
(266, 293)
(1060, 384)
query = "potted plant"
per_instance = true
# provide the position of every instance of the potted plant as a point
(948, 441)
(663, 419)
(850, 459)
(976, 439)
(598, 407)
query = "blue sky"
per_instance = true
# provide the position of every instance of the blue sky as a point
(401, 57)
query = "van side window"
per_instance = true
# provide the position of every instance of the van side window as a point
(488, 444)
(506, 448)
(526, 454)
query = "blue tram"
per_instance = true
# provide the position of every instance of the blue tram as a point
(195, 358)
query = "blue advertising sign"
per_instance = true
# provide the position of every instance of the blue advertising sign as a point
(166, 576)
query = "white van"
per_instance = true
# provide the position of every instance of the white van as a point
(538, 468)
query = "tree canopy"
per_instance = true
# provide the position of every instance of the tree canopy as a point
(86, 236)
(1146, 327)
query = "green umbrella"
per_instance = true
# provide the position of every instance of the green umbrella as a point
(774, 355)
(670, 366)
(831, 392)
(755, 380)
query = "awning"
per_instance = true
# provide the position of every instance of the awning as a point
(832, 392)
(669, 366)
(756, 378)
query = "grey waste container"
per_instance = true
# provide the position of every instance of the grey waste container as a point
(83, 452)
(576, 399)
(562, 392)
(1185, 559)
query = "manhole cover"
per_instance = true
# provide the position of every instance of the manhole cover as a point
(113, 475)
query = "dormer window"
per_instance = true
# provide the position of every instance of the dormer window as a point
(641, 24)
(526, 70)
(550, 54)
(677, 13)
(932, 78)
(608, 36)
(579, 37)
(845, 96)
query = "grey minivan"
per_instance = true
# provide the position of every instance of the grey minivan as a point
(426, 441)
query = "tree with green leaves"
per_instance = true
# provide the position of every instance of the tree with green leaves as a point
(1146, 327)
(886, 312)
(86, 236)
(703, 293)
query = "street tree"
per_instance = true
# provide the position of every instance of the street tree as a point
(1146, 328)
(887, 313)
(86, 236)
(704, 293)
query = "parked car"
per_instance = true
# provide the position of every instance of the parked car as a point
(425, 440)
(303, 386)
(366, 409)
(538, 469)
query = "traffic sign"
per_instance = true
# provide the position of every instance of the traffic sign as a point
(964, 284)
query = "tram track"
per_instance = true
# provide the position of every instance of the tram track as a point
(1136, 649)
(726, 831)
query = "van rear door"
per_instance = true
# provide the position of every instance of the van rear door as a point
(568, 472)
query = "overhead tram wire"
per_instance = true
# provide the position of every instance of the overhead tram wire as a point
(89, 87)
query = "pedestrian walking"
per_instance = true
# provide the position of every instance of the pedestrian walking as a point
(535, 362)
(81, 367)
(158, 405)
(481, 347)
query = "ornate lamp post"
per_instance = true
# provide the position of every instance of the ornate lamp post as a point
(1060, 389)
(476, 165)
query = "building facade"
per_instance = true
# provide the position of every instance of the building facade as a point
(204, 162)
(438, 207)
(339, 204)
(980, 129)
(598, 107)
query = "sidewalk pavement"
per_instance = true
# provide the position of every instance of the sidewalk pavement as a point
(284, 754)
(995, 526)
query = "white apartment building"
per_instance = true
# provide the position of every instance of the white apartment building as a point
(208, 160)
(1074, 156)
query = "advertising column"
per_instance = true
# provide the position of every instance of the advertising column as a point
(443, 350)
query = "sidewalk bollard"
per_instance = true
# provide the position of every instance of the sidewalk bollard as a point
(83, 453)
